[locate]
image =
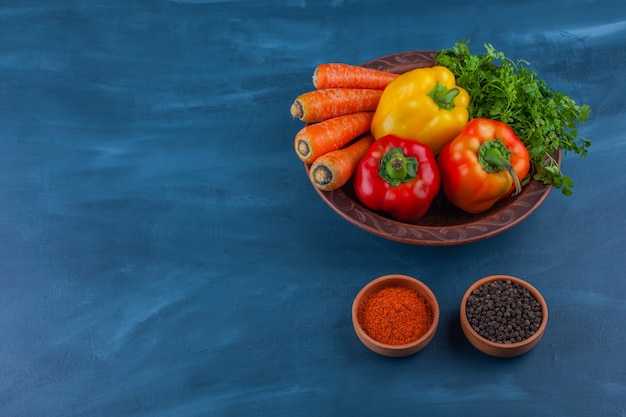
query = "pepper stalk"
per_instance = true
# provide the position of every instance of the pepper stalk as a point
(443, 96)
(494, 156)
(396, 168)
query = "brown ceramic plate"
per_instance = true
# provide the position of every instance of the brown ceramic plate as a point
(443, 224)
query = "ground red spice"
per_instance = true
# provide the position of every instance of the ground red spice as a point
(395, 315)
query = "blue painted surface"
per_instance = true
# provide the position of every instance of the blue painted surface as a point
(163, 254)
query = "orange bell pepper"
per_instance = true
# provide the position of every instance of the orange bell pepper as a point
(482, 165)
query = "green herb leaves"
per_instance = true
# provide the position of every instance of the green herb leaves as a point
(507, 91)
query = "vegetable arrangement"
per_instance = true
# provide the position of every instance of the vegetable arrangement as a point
(507, 91)
(476, 127)
(339, 111)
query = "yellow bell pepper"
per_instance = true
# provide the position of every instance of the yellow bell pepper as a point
(424, 104)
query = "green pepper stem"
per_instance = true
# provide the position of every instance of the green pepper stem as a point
(395, 167)
(443, 96)
(494, 156)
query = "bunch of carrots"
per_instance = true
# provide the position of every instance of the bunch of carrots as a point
(338, 113)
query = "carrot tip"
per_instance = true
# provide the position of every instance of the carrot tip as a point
(297, 110)
(303, 149)
(314, 78)
(322, 176)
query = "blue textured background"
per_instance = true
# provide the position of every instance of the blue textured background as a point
(163, 254)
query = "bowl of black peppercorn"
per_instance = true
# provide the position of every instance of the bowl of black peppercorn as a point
(503, 316)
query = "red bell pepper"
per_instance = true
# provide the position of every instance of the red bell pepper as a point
(399, 177)
(482, 165)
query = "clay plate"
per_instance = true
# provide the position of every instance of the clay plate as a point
(443, 224)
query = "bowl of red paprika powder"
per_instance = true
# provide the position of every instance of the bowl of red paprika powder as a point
(395, 315)
(503, 316)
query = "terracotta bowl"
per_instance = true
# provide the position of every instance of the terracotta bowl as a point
(395, 280)
(498, 348)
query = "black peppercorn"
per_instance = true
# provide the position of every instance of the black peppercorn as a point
(503, 311)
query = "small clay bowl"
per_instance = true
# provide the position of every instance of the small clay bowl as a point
(395, 280)
(500, 349)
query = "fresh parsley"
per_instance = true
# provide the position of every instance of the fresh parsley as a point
(507, 90)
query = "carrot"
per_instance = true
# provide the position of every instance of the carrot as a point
(318, 105)
(317, 139)
(334, 169)
(337, 75)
